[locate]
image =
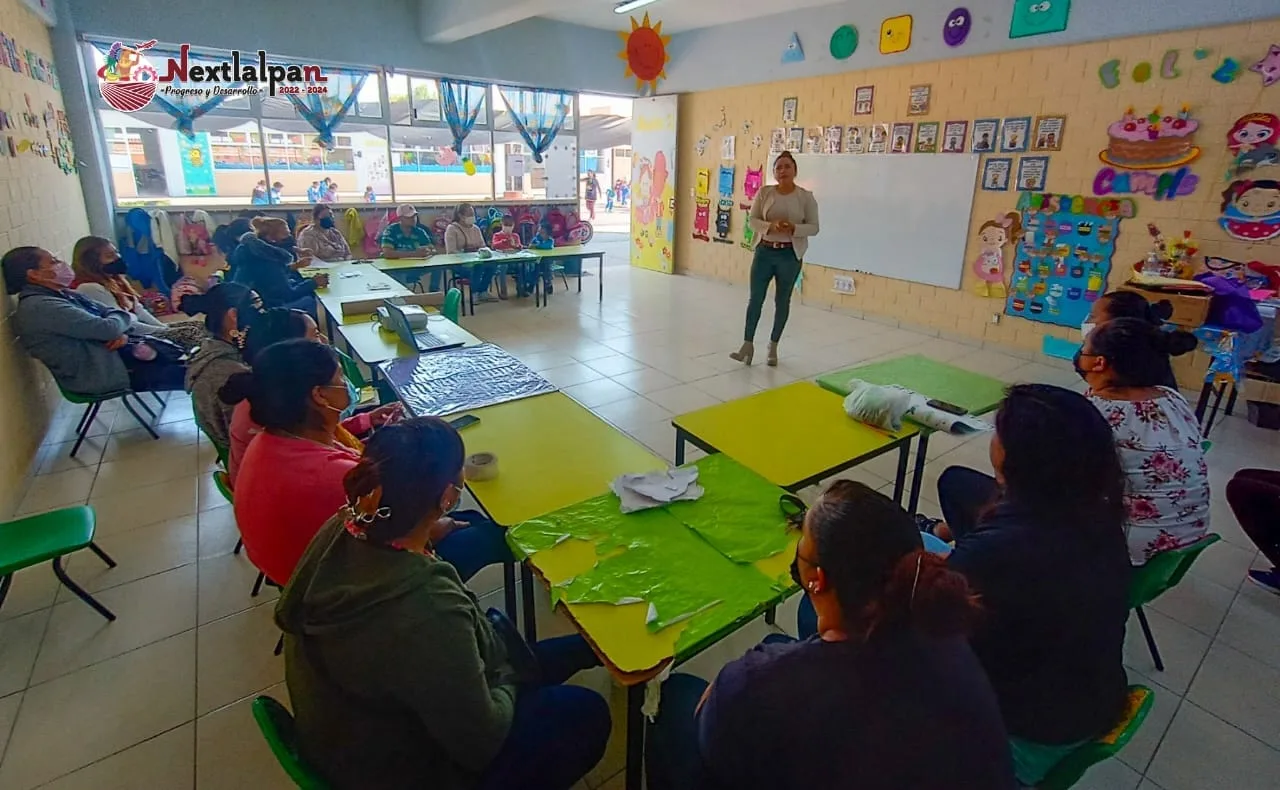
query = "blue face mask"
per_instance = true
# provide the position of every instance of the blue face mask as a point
(353, 400)
(326, 222)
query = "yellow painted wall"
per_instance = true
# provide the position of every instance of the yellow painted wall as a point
(988, 86)
(42, 206)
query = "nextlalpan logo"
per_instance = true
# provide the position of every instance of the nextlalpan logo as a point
(128, 82)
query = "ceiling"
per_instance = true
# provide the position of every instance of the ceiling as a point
(446, 21)
(677, 16)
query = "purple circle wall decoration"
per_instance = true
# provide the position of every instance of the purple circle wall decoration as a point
(956, 28)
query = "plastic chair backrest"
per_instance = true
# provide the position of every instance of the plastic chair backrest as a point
(352, 371)
(452, 305)
(277, 727)
(1069, 770)
(1164, 570)
(223, 481)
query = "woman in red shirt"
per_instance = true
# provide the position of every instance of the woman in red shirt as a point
(290, 481)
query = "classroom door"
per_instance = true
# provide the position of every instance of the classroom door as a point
(653, 182)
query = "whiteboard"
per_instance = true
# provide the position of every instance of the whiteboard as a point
(904, 216)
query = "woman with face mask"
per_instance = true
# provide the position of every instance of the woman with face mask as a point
(290, 480)
(322, 239)
(463, 235)
(266, 262)
(229, 309)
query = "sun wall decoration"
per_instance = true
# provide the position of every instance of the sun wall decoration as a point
(645, 52)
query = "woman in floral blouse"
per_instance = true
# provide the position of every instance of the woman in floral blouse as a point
(1157, 436)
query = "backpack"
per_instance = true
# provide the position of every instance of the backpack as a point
(373, 234)
(353, 229)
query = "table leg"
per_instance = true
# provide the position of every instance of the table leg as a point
(530, 613)
(1231, 401)
(509, 589)
(1203, 401)
(899, 482)
(1213, 413)
(601, 275)
(922, 448)
(635, 737)
(581, 263)
(679, 447)
(771, 616)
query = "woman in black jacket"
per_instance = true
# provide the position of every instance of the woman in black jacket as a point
(1043, 545)
(265, 261)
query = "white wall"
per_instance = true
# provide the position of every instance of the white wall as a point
(750, 52)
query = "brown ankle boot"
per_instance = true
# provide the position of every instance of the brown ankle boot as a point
(744, 354)
(772, 359)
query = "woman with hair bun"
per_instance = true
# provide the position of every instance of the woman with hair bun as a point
(887, 695)
(398, 677)
(1126, 365)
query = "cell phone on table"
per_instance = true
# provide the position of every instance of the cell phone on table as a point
(949, 408)
(464, 421)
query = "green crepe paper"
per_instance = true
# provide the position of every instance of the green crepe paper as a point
(738, 513)
(972, 391)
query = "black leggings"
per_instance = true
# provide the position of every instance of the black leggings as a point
(963, 493)
(1254, 496)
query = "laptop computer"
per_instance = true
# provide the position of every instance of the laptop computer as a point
(421, 340)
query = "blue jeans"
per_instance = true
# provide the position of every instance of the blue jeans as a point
(481, 277)
(559, 732)
(476, 546)
(672, 758)
(307, 304)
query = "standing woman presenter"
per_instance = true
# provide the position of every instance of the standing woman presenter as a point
(783, 216)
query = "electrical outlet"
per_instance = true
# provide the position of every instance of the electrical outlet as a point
(844, 285)
(995, 318)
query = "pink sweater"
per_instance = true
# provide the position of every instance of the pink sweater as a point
(243, 429)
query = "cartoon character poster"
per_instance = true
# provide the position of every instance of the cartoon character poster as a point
(1253, 142)
(1064, 256)
(724, 211)
(653, 176)
(702, 220)
(993, 237)
(751, 186)
(1251, 210)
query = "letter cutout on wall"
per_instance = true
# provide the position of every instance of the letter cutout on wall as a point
(895, 34)
(1038, 17)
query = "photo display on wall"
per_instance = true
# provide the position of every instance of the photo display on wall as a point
(1063, 259)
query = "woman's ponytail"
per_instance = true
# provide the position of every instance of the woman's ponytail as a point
(924, 592)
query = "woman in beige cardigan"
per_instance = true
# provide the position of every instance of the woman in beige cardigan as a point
(784, 217)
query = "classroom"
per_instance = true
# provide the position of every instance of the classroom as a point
(379, 409)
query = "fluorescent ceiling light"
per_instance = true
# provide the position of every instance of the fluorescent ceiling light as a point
(631, 5)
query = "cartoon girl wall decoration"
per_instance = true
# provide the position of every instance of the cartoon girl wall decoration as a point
(649, 189)
(989, 265)
(1251, 210)
(1253, 130)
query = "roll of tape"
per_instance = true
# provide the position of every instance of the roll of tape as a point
(481, 466)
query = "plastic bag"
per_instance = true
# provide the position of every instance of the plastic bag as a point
(877, 405)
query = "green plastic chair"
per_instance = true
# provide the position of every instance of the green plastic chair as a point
(277, 727)
(50, 536)
(1161, 574)
(452, 307)
(94, 404)
(222, 451)
(1069, 770)
(351, 370)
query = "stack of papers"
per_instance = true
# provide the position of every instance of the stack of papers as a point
(640, 492)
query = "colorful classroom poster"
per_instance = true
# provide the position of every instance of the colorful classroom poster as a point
(986, 133)
(995, 173)
(900, 138)
(927, 137)
(653, 176)
(1064, 257)
(197, 164)
(1032, 173)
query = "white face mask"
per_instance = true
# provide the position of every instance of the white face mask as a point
(1086, 328)
(468, 221)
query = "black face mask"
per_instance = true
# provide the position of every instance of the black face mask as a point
(795, 571)
(1075, 363)
(118, 266)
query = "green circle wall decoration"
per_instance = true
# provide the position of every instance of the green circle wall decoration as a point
(844, 41)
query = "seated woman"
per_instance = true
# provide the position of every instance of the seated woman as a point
(1254, 496)
(887, 695)
(462, 235)
(397, 677)
(1042, 544)
(321, 238)
(229, 310)
(265, 262)
(290, 480)
(101, 275)
(1131, 304)
(85, 345)
(1126, 362)
(276, 326)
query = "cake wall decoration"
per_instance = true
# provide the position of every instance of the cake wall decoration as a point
(1154, 141)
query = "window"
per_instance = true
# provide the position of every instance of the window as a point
(426, 167)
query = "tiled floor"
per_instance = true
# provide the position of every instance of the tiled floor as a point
(159, 699)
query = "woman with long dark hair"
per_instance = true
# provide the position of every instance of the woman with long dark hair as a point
(1043, 544)
(887, 695)
(398, 678)
(783, 216)
(229, 309)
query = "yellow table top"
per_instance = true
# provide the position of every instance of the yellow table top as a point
(373, 344)
(552, 453)
(352, 282)
(789, 434)
(572, 251)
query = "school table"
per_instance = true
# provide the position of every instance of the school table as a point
(366, 338)
(552, 452)
(973, 392)
(451, 261)
(352, 282)
(793, 436)
(633, 652)
(576, 252)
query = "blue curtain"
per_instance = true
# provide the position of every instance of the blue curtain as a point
(538, 116)
(325, 112)
(462, 104)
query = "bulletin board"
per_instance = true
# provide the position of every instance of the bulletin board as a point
(904, 216)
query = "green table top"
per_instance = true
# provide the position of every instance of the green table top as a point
(935, 380)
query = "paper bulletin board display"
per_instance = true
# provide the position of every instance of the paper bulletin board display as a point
(653, 181)
(1064, 257)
